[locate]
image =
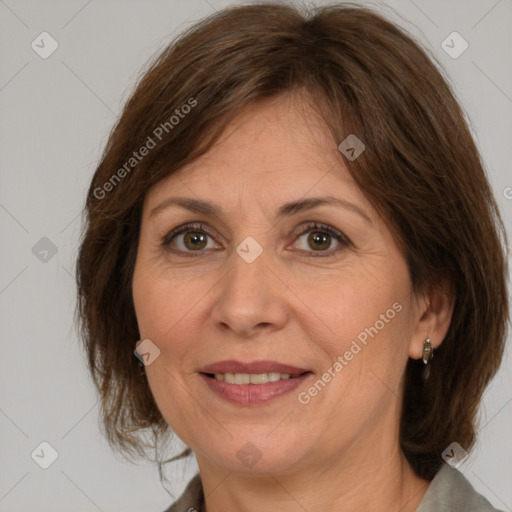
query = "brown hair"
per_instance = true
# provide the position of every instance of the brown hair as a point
(420, 169)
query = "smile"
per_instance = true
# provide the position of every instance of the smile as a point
(247, 389)
(253, 378)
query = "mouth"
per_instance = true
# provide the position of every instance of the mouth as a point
(241, 379)
(252, 383)
(251, 367)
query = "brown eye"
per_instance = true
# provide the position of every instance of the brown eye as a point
(320, 238)
(188, 239)
(194, 240)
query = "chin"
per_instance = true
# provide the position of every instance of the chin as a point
(260, 452)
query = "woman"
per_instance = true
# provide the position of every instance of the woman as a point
(292, 230)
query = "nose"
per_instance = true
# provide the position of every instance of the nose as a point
(250, 298)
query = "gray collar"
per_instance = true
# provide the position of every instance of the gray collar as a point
(449, 491)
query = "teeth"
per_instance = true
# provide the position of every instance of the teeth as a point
(242, 378)
(251, 378)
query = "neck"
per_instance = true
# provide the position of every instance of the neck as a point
(367, 480)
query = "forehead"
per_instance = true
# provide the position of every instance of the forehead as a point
(279, 147)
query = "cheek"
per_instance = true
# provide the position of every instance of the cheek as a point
(169, 312)
(360, 305)
(163, 315)
(366, 360)
(148, 299)
(157, 298)
(370, 318)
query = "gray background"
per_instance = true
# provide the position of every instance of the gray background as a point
(55, 117)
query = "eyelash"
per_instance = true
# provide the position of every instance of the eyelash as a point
(337, 235)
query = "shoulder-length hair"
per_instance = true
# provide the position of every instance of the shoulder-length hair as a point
(420, 169)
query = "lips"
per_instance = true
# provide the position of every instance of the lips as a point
(238, 390)
(233, 366)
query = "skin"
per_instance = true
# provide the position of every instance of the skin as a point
(340, 451)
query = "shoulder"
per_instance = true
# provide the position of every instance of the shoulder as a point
(451, 491)
(192, 498)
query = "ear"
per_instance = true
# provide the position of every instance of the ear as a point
(435, 309)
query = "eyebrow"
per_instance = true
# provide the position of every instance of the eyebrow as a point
(286, 210)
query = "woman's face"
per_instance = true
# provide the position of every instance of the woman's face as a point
(256, 287)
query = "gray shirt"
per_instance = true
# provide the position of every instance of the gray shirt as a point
(449, 491)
